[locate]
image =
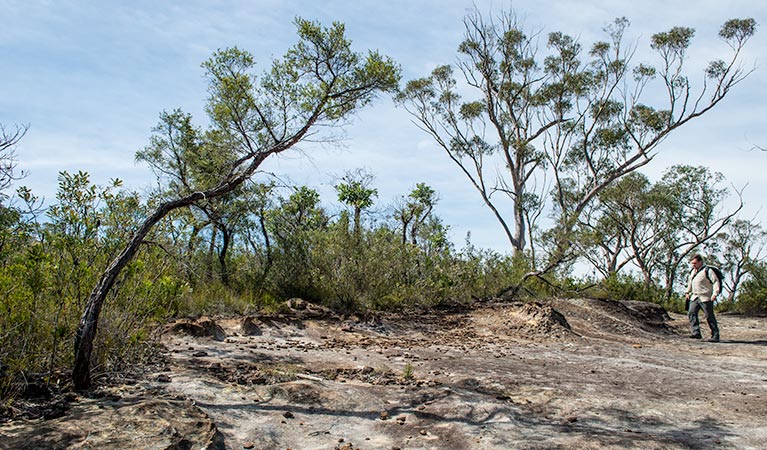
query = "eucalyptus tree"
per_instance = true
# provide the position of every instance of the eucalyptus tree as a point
(617, 228)
(185, 159)
(412, 212)
(567, 122)
(317, 84)
(258, 199)
(355, 191)
(422, 201)
(654, 227)
(692, 214)
(742, 243)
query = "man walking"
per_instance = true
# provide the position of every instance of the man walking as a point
(702, 290)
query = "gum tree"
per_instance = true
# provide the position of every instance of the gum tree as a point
(318, 84)
(550, 129)
(690, 205)
(415, 210)
(740, 246)
(655, 227)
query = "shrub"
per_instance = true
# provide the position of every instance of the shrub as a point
(752, 294)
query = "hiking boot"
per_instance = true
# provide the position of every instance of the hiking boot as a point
(695, 336)
(713, 339)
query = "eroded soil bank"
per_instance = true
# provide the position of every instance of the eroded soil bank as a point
(563, 374)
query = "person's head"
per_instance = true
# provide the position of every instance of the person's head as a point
(696, 261)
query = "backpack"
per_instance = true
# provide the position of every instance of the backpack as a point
(718, 274)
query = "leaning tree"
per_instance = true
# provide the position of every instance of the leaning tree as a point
(318, 84)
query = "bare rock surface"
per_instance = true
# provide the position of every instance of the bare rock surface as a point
(560, 374)
(124, 418)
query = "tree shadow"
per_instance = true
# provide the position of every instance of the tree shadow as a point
(759, 342)
(536, 426)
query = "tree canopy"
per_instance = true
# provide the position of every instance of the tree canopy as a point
(537, 131)
(318, 83)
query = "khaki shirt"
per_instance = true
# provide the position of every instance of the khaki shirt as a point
(699, 286)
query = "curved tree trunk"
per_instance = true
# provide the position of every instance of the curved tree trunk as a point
(86, 329)
(342, 81)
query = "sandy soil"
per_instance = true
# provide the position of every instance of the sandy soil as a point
(563, 374)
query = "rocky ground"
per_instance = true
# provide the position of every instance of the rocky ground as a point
(562, 374)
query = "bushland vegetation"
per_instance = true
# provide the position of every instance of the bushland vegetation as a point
(289, 244)
(236, 241)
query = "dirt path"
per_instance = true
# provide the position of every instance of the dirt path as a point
(574, 374)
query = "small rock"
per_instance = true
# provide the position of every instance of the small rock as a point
(163, 378)
(288, 415)
(248, 445)
(384, 415)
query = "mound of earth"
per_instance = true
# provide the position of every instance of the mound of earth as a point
(533, 320)
(197, 327)
(559, 374)
(613, 319)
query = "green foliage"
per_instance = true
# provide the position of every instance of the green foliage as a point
(408, 372)
(676, 40)
(655, 227)
(355, 192)
(752, 298)
(356, 195)
(737, 31)
(45, 277)
(627, 287)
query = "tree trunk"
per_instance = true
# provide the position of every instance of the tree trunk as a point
(86, 330)
(519, 223)
(211, 252)
(404, 231)
(225, 241)
(357, 220)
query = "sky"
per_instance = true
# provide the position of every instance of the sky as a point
(90, 79)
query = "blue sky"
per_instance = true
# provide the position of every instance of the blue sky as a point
(91, 77)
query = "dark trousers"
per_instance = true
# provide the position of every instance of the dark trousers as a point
(708, 309)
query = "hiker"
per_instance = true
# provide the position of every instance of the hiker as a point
(703, 288)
